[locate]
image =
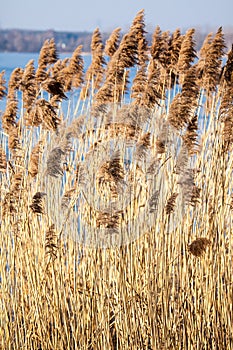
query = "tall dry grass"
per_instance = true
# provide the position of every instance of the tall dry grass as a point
(116, 210)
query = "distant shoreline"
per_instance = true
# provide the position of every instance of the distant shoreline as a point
(30, 41)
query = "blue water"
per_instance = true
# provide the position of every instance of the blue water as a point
(11, 60)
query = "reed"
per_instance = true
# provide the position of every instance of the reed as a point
(116, 214)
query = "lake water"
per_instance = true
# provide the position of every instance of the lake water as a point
(11, 60)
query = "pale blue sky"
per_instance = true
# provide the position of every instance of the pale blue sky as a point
(86, 15)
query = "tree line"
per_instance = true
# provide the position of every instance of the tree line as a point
(16, 40)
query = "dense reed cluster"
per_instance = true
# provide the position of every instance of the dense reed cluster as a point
(117, 195)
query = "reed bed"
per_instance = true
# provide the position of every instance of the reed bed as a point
(116, 196)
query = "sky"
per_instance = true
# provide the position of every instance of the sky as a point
(86, 15)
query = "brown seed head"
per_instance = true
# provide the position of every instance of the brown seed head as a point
(198, 247)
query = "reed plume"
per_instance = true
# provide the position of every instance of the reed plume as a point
(153, 89)
(47, 57)
(17, 184)
(3, 161)
(126, 56)
(76, 128)
(138, 26)
(59, 73)
(184, 104)
(14, 142)
(191, 135)
(174, 48)
(55, 78)
(28, 85)
(95, 71)
(9, 205)
(160, 145)
(127, 53)
(2, 85)
(182, 160)
(190, 88)
(33, 166)
(195, 196)
(114, 85)
(133, 116)
(59, 66)
(205, 46)
(198, 246)
(156, 45)
(164, 56)
(33, 116)
(177, 117)
(138, 86)
(14, 83)
(231, 204)
(142, 52)
(108, 220)
(213, 61)
(9, 117)
(51, 244)
(112, 43)
(170, 206)
(190, 192)
(105, 94)
(41, 73)
(226, 116)
(55, 88)
(111, 173)
(52, 54)
(54, 160)
(38, 203)
(47, 113)
(115, 168)
(228, 68)
(165, 51)
(67, 196)
(96, 41)
(202, 56)
(187, 52)
(75, 69)
(153, 201)
(142, 146)
(69, 73)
